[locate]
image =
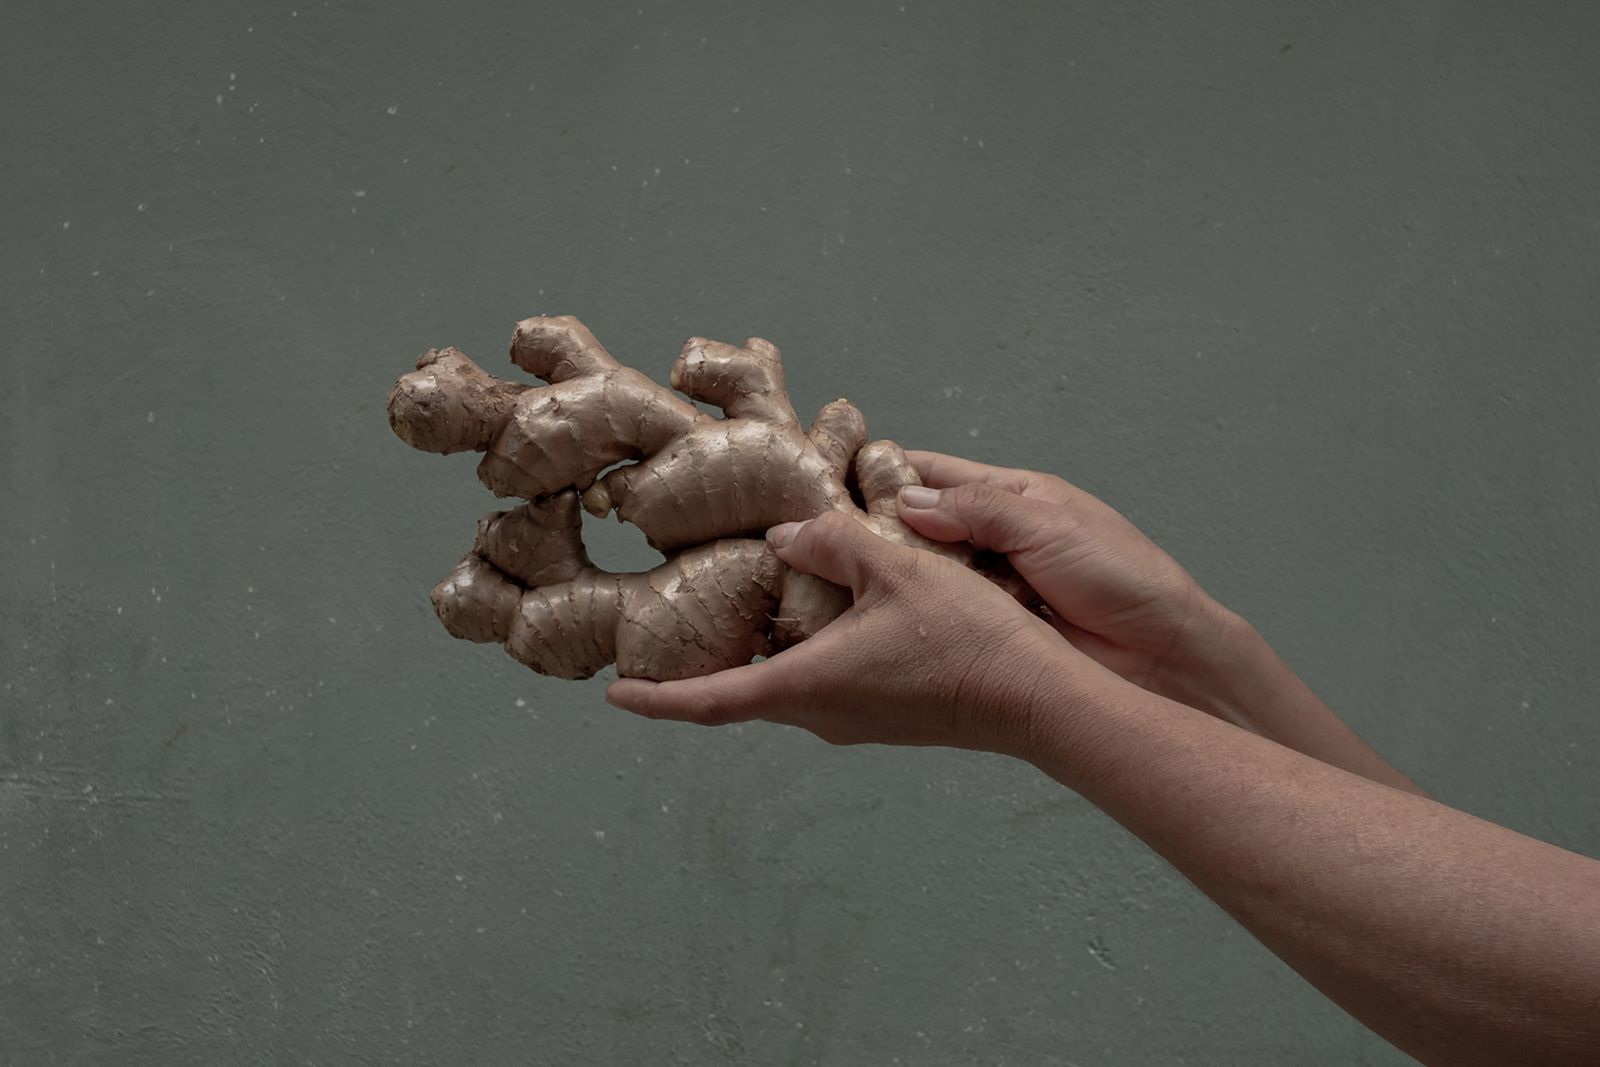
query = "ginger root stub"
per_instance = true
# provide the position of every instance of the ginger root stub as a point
(703, 489)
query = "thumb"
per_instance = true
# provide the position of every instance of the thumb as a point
(836, 548)
(989, 517)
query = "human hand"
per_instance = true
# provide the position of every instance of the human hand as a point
(1112, 593)
(930, 653)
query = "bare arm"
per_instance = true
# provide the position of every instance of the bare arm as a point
(1460, 941)
(1238, 678)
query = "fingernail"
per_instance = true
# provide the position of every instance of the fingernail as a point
(783, 533)
(918, 496)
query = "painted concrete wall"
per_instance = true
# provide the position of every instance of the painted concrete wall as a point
(1311, 294)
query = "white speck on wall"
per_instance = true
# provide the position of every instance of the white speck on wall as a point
(394, 109)
(359, 192)
(599, 835)
(521, 703)
(952, 391)
(972, 432)
(66, 225)
(141, 205)
(151, 417)
(219, 99)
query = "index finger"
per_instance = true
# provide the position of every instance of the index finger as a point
(939, 471)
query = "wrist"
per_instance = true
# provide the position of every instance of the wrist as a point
(1084, 718)
(1056, 698)
(1213, 668)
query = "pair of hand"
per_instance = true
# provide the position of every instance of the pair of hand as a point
(933, 654)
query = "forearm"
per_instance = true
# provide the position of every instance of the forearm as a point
(1231, 672)
(1458, 940)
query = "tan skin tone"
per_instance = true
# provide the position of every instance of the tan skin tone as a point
(1459, 941)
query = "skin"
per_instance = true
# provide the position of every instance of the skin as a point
(1459, 941)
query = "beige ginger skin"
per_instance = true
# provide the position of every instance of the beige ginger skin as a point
(701, 488)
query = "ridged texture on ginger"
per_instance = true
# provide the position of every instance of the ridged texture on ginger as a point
(707, 608)
(697, 478)
(697, 486)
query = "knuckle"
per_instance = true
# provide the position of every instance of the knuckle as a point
(713, 711)
(973, 496)
(1182, 594)
(1053, 486)
(909, 568)
(899, 570)
(994, 514)
(829, 525)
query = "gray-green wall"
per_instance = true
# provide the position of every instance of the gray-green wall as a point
(1309, 291)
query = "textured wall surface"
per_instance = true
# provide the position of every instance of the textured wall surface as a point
(1310, 294)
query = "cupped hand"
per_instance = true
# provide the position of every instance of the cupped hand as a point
(1111, 592)
(930, 653)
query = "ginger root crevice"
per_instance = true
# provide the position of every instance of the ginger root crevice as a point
(602, 437)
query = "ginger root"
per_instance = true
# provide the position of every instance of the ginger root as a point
(699, 477)
(701, 488)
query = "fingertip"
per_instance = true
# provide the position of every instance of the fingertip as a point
(918, 497)
(783, 533)
(933, 523)
(630, 694)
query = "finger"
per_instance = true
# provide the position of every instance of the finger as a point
(838, 549)
(942, 471)
(986, 515)
(754, 691)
